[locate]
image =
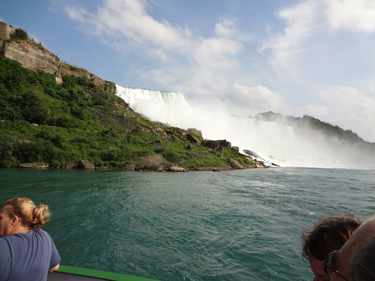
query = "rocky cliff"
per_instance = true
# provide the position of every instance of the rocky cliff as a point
(34, 56)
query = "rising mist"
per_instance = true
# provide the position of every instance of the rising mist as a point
(273, 141)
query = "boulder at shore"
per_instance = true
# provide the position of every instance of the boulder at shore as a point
(175, 169)
(152, 163)
(86, 165)
(234, 164)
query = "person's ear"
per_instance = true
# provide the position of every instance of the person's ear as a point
(14, 221)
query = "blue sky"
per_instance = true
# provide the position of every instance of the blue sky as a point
(312, 57)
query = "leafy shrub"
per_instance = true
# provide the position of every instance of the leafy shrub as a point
(7, 163)
(143, 151)
(79, 113)
(171, 155)
(111, 154)
(97, 101)
(99, 163)
(66, 122)
(159, 149)
(109, 133)
(19, 33)
(32, 109)
(83, 81)
(54, 164)
(7, 145)
(116, 164)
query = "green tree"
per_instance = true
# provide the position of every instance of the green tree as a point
(7, 145)
(32, 108)
(19, 33)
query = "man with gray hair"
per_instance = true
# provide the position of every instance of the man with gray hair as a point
(356, 259)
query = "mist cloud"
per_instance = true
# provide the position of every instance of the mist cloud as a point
(351, 15)
(255, 99)
(348, 108)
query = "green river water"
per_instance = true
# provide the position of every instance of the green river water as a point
(233, 225)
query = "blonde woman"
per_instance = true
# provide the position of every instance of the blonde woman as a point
(26, 251)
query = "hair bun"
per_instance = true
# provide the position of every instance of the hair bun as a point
(30, 215)
(41, 215)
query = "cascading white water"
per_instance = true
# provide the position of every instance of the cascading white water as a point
(274, 142)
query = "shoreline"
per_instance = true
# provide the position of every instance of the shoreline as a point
(132, 167)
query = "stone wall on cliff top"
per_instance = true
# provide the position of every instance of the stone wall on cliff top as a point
(35, 57)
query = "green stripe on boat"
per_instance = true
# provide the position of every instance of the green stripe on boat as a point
(104, 275)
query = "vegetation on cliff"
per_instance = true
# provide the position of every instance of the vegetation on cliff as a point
(19, 34)
(61, 124)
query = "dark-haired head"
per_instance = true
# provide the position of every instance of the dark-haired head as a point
(328, 235)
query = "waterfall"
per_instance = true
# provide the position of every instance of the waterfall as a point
(274, 142)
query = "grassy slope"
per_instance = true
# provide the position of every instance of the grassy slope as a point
(79, 120)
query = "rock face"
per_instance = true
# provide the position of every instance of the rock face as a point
(86, 165)
(64, 69)
(5, 30)
(35, 57)
(32, 56)
(189, 146)
(195, 132)
(259, 164)
(216, 144)
(214, 169)
(33, 165)
(129, 167)
(234, 164)
(193, 139)
(71, 166)
(175, 169)
(152, 163)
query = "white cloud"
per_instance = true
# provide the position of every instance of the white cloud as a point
(348, 108)
(371, 87)
(128, 18)
(179, 52)
(301, 22)
(312, 18)
(358, 15)
(216, 52)
(255, 99)
(227, 28)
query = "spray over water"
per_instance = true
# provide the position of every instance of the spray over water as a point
(274, 142)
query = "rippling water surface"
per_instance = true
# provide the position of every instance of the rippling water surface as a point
(235, 225)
